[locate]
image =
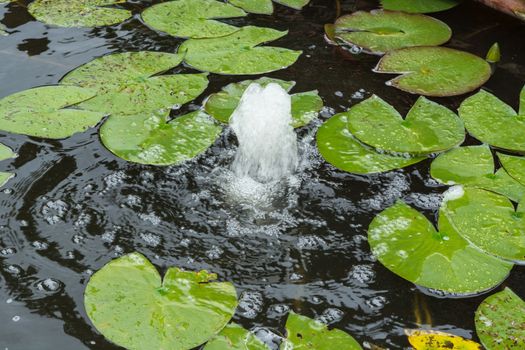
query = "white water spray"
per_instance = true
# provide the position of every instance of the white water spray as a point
(267, 141)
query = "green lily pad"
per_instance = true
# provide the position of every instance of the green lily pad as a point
(428, 127)
(380, 31)
(474, 166)
(340, 148)
(514, 165)
(489, 221)
(5, 153)
(131, 305)
(238, 53)
(500, 321)
(128, 83)
(265, 7)
(192, 19)
(406, 243)
(234, 337)
(151, 139)
(492, 121)
(48, 112)
(78, 13)
(419, 6)
(434, 71)
(304, 333)
(305, 105)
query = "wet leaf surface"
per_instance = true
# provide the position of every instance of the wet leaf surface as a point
(151, 139)
(432, 340)
(239, 53)
(489, 221)
(234, 337)
(78, 13)
(406, 243)
(265, 7)
(192, 19)
(305, 105)
(131, 305)
(514, 165)
(434, 71)
(492, 121)
(55, 116)
(419, 6)
(500, 321)
(380, 31)
(427, 128)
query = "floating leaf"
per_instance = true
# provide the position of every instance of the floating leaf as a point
(428, 127)
(151, 139)
(474, 166)
(489, 221)
(515, 166)
(500, 321)
(130, 304)
(340, 148)
(265, 7)
(48, 112)
(78, 13)
(5, 153)
(192, 19)
(380, 31)
(128, 83)
(406, 243)
(434, 71)
(303, 333)
(494, 54)
(305, 105)
(238, 53)
(419, 6)
(234, 337)
(432, 340)
(492, 121)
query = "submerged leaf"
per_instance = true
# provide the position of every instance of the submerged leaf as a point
(304, 333)
(130, 304)
(492, 121)
(234, 337)
(406, 243)
(382, 31)
(48, 112)
(128, 83)
(432, 340)
(305, 105)
(151, 139)
(238, 53)
(78, 13)
(419, 6)
(434, 71)
(428, 127)
(340, 148)
(192, 19)
(500, 321)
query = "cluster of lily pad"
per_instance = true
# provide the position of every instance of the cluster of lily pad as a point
(133, 306)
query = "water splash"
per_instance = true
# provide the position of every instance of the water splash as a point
(267, 142)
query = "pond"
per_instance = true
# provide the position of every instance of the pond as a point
(73, 206)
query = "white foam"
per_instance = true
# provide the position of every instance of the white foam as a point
(453, 193)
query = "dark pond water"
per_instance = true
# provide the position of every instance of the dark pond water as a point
(73, 206)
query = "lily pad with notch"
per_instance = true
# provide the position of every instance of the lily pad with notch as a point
(265, 7)
(494, 122)
(49, 112)
(192, 19)
(381, 31)
(428, 127)
(500, 321)
(407, 243)
(129, 83)
(132, 306)
(149, 138)
(235, 337)
(340, 148)
(239, 53)
(514, 165)
(434, 71)
(305, 105)
(78, 13)
(474, 166)
(419, 6)
(6, 153)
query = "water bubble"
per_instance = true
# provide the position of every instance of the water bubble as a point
(152, 218)
(115, 179)
(279, 309)
(150, 238)
(377, 302)
(269, 337)
(311, 242)
(214, 253)
(250, 304)
(54, 211)
(39, 245)
(363, 274)
(14, 270)
(49, 285)
(331, 315)
(16, 318)
(7, 251)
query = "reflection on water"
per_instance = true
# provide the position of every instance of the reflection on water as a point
(73, 206)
